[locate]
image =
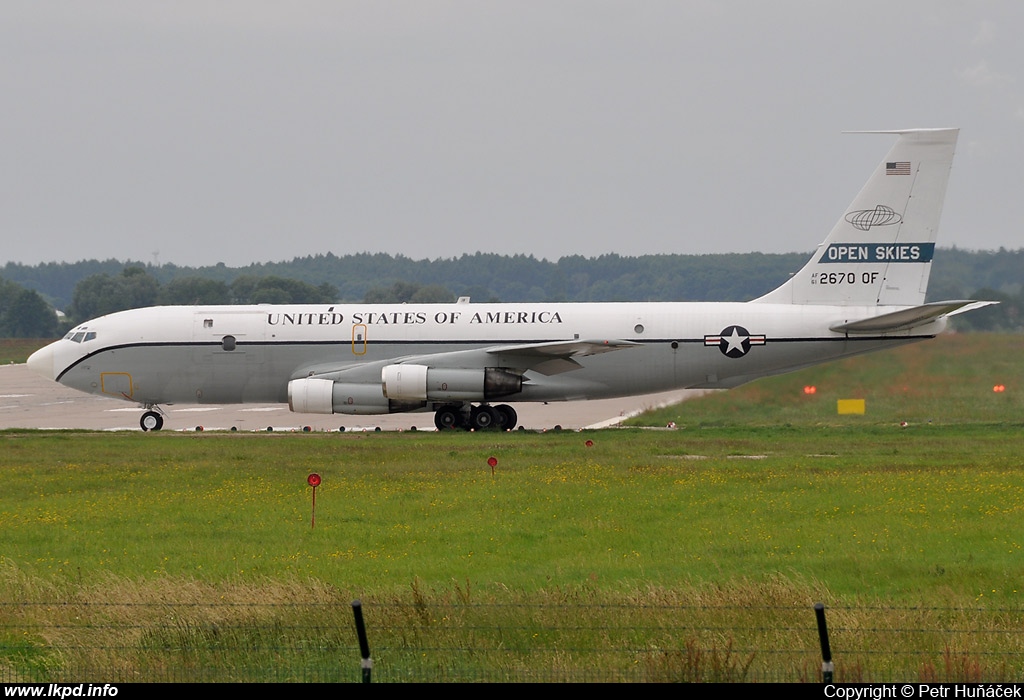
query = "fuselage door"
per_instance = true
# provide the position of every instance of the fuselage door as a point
(228, 337)
(228, 342)
(117, 384)
(359, 339)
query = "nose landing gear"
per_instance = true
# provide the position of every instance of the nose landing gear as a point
(151, 420)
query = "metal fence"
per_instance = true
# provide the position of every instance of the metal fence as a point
(68, 641)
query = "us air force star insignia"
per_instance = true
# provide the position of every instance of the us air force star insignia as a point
(734, 341)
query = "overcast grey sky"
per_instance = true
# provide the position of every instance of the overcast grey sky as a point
(250, 130)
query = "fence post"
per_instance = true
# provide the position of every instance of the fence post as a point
(826, 652)
(364, 643)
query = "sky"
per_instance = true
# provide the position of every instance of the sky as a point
(247, 131)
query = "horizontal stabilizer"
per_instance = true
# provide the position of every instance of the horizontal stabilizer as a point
(906, 319)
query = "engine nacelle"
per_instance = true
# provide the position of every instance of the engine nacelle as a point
(316, 395)
(310, 395)
(360, 399)
(422, 383)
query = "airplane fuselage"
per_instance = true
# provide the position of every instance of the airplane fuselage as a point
(249, 354)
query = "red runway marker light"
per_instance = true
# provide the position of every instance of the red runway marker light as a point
(589, 443)
(810, 389)
(999, 388)
(313, 480)
(492, 462)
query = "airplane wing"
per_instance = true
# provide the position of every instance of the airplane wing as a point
(906, 319)
(558, 356)
(548, 358)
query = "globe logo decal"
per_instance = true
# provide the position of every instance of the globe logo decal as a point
(881, 215)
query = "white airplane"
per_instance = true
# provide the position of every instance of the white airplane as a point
(862, 290)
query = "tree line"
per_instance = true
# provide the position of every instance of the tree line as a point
(87, 289)
(25, 314)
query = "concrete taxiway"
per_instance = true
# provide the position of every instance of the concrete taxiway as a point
(30, 401)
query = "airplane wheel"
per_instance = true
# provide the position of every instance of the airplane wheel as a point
(447, 418)
(151, 420)
(507, 417)
(482, 418)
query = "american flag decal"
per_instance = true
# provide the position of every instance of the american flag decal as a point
(900, 167)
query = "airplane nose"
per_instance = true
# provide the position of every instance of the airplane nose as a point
(41, 361)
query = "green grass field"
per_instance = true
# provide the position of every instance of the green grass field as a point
(762, 497)
(873, 511)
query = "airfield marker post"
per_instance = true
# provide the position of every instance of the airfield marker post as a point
(826, 651)
(314, 481)
(364, 643)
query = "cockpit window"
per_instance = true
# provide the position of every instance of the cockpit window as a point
(80, 336)
(77, 337)
(91, 335)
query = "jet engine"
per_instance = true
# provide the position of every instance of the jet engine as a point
(422, 383)
(316, 395)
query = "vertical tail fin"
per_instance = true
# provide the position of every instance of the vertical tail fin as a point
(880, 250)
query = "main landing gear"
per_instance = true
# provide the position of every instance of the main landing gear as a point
(482, 417)
(151, 420)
